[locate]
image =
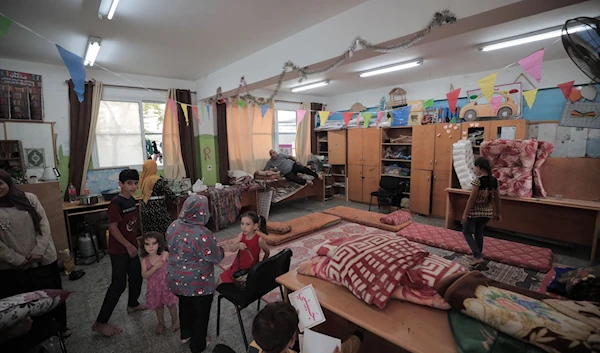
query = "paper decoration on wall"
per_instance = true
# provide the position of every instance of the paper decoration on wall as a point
(530, 96)
(589, 92)
(195, 112)
(76, 69)
(428, 103)
(566, 88)
(532, 64)
(300, 113)
(575, 95)
(185, 113)
(400, 116)
(35, 157)
(241, 103)
(487, 85)
(453, 98)
(323, 115)
(495, 102)
(263, 110)
(379, 117)
(367, 118)
(347, 116)
(4, 25)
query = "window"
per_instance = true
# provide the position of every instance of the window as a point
(120, 139)
(286, 131)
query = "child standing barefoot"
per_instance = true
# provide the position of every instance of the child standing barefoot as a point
(154, 270)
(483, 204)
(248, 240)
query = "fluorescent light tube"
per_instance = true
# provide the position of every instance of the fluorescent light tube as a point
(92, 50)
(311, 86)
(549, 33)
(392, 68)
(113, 8)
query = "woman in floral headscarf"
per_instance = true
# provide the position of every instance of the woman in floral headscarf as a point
(156, 196)
(193, 253)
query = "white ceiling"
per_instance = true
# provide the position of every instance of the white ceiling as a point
(454, 56)
(184, 39)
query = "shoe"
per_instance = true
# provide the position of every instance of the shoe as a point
(75, 275)
(359, 334)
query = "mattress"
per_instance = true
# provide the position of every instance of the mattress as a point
(302, 226)
(371, 219)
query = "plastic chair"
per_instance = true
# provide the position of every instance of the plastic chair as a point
(389, 188)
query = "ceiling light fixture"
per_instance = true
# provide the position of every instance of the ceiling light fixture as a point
(543, 34)
(92, 50)
(108, 8)
(392, 68)
(311, 86)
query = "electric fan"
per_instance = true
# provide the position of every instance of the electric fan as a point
(581, 39)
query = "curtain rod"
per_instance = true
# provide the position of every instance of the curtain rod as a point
(133, 87)
(284, 101)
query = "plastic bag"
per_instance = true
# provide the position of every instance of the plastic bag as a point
(199, 186)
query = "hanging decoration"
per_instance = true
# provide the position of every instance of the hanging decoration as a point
(452, 97)
(74, 64)
(195, 112)
(379, 117)
(241, 103)
(4, 25)
(172, 107)
(439, 18)
(589, 92)
(530, 96)
(575, 95)
(367, 118)
(263, 110)
(300, 113)
(532, 64)
(347, 117)
(428, 103)
(495, 102)
(323, 115)
(566, 88)
(487, 85)
(185, 113)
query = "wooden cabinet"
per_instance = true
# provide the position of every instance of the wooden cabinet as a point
(423, 141)
(441, 181)
(420, 191)
(483, 127)
(444, 139)
(337, 147)
(363, 163)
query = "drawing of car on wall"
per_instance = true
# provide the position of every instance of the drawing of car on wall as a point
(480, 107)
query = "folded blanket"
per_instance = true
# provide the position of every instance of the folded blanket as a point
(278, 227)
(518, 312)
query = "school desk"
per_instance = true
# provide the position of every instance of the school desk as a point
(410, 327)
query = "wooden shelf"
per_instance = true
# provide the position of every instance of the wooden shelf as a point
(397, 144)
(323, 141)
(406, 193)
(397, 160)
(339, 175)
(397, 176)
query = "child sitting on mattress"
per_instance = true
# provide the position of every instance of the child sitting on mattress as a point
(248, 244)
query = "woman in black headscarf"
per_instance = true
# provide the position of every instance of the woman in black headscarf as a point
(28, 259)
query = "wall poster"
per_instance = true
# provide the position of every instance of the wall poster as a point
(21, 96)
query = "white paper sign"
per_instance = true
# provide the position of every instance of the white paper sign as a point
(310, 312)
(314, 342)
(547, 132)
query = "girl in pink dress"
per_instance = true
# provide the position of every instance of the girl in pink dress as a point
(154, 267)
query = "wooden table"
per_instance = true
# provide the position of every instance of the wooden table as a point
(563, 220)
(413, 328)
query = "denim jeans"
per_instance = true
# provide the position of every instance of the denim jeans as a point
(473, 232)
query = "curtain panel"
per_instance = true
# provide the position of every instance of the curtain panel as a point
(172, 158)
(304, 137)
(188, 143)
(221, 113)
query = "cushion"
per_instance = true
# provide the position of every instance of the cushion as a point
(582, 283)
(16, 308)
(371, 219)
(543, 152)
(396, 218)
(328, 247)
(510, 153)
(302, 226)
(278, 227)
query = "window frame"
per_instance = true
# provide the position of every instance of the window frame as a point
(284, 106)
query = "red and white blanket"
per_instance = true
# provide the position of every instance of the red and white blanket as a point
(371, 266)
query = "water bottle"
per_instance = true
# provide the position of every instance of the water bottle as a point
(86, 189)
(72, 193)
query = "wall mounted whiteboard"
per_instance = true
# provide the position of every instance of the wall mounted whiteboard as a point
(32, 135)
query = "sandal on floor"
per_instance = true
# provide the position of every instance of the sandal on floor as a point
(75, 275)
(66, 333)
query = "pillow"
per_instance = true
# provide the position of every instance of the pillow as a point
(236, 174)
(329, 246)
(396, 218)
(16, 308)
(278, 228)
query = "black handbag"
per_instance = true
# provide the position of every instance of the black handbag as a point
(240, 277)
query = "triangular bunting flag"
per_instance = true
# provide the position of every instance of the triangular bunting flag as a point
(496, 100)
(195, 112)
(487, 86)
(367, 118)
(300, 113)
(207, 111)
(530, 96)
(323, 115)
(379, 117)
(347, 117)
(263, 110)
(428, 103)
(4, 25)
(241, 103)
(575, 95)
(171, 106)
(566, 88)
(453, 98)
(185, 113)
(532, 64)
(74, 64)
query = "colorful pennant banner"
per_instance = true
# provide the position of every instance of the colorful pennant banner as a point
(300, 113)
(241, 103)
(172, 107)
(74, 64)
(532, 64)
(379, 117)
(323, 115)
(530, 97)
(566, 88)
(4, 25)
(453, 98)
(367, 118)
(185, 113)
(207, 111)
(428, 103)
(347, 117)
(575, 95)
(195, 112)
(487, 85)
(263, 110)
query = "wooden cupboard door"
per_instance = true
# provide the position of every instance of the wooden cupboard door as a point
(423, 142)
(444, 138)
(355, 142)
(371, 146)
(337, 146)
(420, 191)
(355, 182)
(441, 181)
(520, 126)
(371, 175)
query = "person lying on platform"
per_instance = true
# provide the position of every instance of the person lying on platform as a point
(275, 330)
(289, 167)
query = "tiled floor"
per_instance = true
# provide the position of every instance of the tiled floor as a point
(138, 329)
